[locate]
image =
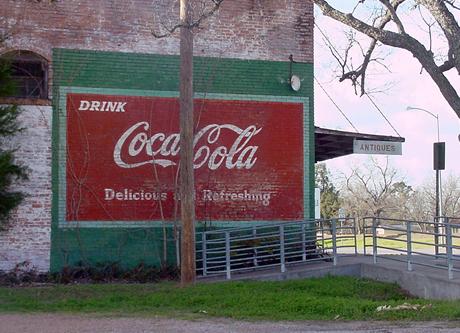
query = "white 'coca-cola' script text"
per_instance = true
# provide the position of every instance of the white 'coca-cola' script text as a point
(159, 149)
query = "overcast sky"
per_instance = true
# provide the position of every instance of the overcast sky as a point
(407, 88)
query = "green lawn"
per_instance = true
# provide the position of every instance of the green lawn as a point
(327, 298)
(396, 241)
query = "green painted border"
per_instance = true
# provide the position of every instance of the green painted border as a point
(131, 243)
(60, 138)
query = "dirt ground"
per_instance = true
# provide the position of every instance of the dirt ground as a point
(57, 323)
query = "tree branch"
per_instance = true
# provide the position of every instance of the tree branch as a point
(194, 24)
(449, 26)
(392, 10)
(407, 42)
(452, 4)
(360, 73)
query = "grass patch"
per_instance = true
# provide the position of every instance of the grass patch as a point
(313, 299)
(396, 241)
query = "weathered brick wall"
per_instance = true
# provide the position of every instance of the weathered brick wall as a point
(244, 29)
(249, 29)
(29, 237)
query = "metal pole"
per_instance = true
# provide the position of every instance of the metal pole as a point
(409, 245)
(205, 257)
(304, 254)
(354, 232)
(430, 113)
(334, 240)
(438, 172)
(322, 235)
(178, 252)
(438, 179)
(282, 258)
(364, 236)
(450, 264)
(374, 239)
(438, 206)
(254, 235)
(436, 219)
(227, 255)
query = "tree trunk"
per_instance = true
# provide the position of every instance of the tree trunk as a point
(187, 183)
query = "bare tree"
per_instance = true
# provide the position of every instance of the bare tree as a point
(169, 25)
(422, 201)
(386, 26)
(371, 190)
(421, 208)
(187, 23)
(450, 196)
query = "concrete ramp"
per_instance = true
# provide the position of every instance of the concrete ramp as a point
(422, 281)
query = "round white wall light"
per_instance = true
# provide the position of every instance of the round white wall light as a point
(295, 83)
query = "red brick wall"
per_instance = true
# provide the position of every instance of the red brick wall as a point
(245, 29)
(249, 29)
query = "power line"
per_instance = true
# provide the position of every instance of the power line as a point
(328, 41)
(333, 102)
(383, 115)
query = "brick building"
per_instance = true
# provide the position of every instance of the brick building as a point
(99, 95)
(73, 49)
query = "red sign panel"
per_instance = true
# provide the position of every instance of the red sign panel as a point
(123, 157)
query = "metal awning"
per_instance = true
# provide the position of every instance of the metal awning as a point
(332, 143)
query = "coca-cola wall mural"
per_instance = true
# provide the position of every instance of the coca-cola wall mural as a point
(122, 158)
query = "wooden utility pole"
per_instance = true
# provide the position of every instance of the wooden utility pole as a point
(187, 182)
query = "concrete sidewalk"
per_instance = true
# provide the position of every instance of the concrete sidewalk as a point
(423, 281)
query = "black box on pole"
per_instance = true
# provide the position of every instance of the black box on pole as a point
(439, 156)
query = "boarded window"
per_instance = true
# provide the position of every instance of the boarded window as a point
(29, 73)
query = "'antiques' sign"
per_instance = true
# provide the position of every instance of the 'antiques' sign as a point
(377, 147)
(123, 159)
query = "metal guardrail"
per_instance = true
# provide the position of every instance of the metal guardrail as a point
(227, 251)
(434, 244)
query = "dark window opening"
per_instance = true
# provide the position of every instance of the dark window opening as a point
(29, 72)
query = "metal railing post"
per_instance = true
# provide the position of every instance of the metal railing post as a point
(227, 255)
(442, 231)
(282, 258)
(436, 236)
(374, 239)
(178, 247)
(254, 235)
(321, 223)
(364, 236)
(334, 240)
(354, 233)
(304, 245)
(204, 256)
(450, 264)
(409, 245)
